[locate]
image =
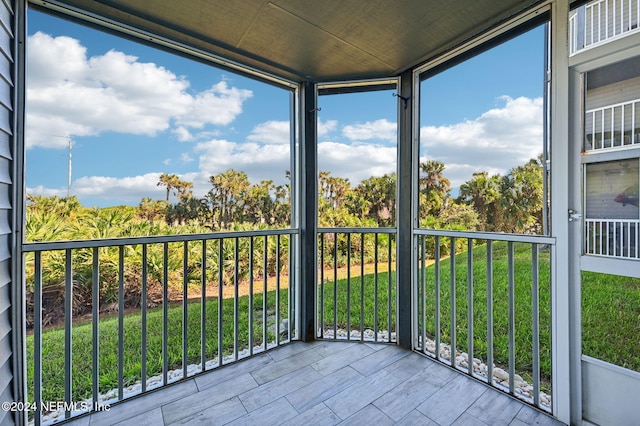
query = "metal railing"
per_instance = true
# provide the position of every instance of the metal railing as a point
(612, 238)
(356, 295)
(612, 126)
(600, 21)
(242, 303)
(483, 307)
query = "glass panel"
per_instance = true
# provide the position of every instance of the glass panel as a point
(612, 190)
(482, 145)
(127, 140)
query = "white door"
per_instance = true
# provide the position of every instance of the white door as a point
(608, 175)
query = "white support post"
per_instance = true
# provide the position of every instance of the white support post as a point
(565, 284)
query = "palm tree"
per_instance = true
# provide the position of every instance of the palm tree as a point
(434, 187)
(170, 181)
(481, 192)
(227, 196)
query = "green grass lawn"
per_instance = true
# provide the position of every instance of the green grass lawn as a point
(53, 344)
(523, 312)
(611, 321)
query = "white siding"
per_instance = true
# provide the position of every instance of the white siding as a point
(622, 91)
(7, 146)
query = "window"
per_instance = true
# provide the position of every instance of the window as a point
(612, 158)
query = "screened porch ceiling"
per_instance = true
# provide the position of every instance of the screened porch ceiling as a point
(318, 41)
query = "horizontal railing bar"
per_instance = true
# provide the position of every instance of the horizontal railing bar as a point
(632, 221)
(130, 241)
(493, 236)
(356, 230)
(619, 104)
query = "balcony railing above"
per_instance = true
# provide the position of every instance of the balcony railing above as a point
(612, 126)
(617, 238)
(601, 21)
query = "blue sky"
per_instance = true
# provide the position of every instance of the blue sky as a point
(134, 112)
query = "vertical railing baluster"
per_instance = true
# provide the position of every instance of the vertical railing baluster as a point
(490, 312)
(452, 301)
(250, 319)
(602, 130)
(615, 238)
(165, 314)
(535, 324)
(321, 298)
(621, 254)
(470, 335)
(143, 307)
(633, 121)
(511, 316)
(348, 285)
(95, 328)
(593, 130)
(390, 300)
(265, 275)
(236, 266)
(437, 295)
(185, 308)
(375, 289)
(362, 287)
(37, 337)
(423, 287)
(203, 309)
(220, 301)
(120, 322)
(592, 28)
(291, 292)
(335, 285)
(68, 323)
(278, 290)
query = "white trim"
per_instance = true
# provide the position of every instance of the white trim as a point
(616, 368)
(565, 360)
(610, 265)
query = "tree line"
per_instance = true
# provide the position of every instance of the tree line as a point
(502, 203)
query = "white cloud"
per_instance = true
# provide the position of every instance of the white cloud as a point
(47, 192)
(260, 162)
(218, 105)
(277, 132)
(356, 162)
(498, 140)
(379, 130)
(326, 127)
(183, 134)
(69, 95)
(129, 189)
(186, 158)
